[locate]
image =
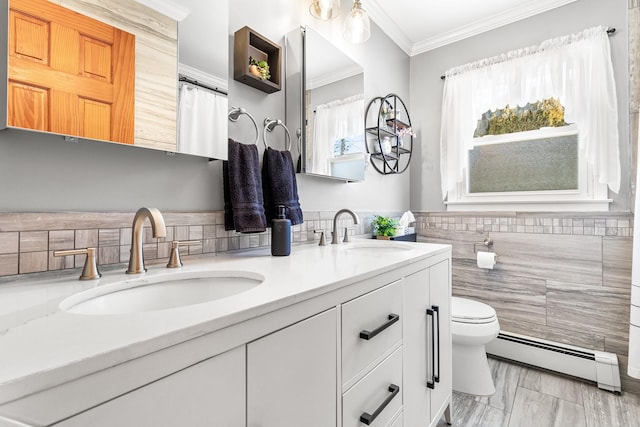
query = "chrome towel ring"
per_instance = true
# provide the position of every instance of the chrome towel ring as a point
(236, 112)
(269, 125)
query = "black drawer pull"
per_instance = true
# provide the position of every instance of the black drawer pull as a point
(366, 335)
(367, 418)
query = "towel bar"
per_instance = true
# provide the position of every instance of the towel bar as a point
(234, 115)
(269, 125)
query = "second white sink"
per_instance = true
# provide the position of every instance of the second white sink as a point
(161, 292)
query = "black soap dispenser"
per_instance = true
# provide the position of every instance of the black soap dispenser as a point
(281, 234)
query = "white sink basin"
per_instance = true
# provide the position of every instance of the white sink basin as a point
(161, 292)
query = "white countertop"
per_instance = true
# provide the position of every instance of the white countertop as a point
(38, 340)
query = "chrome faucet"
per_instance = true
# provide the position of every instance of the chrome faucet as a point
(334, 234)
(136, 258)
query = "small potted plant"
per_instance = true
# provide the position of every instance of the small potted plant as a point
(259, 69)
(384, 227)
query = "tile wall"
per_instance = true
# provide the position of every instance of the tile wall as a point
(28, 240)
(560, 277)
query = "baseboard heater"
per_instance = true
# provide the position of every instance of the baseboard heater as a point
(592, 365)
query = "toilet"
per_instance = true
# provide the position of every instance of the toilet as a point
(473, 325)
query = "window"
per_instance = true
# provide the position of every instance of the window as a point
(496, 157)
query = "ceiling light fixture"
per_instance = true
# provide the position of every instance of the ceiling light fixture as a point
(325, 9)
(357, 27)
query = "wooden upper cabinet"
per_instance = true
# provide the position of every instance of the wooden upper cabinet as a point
(69, 74)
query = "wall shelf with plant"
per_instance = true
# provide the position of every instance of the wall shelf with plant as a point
(256, 60)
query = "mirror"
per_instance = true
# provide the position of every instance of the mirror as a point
(325, 101)
(203, 103)
(142, 111)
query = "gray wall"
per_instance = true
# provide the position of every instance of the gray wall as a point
(44, 173)
(382, 75)
(426, 85)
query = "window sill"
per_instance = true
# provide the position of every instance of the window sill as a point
(577, 205)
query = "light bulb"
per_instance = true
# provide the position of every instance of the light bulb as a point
(357, 27)
(324, 9)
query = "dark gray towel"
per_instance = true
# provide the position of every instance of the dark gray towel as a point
(243, 201)
(279, 186)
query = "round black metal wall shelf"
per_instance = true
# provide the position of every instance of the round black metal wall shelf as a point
(389, 136)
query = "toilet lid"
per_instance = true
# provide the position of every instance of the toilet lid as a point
(470, 311)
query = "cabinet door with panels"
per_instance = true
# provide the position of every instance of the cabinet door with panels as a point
(417, 347)
(427, 344)
(208, 393)
(440, 296)
(292, 375)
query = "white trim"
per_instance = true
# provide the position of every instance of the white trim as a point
(395, 33)
(583, 205)
(202, 77)
(529, 135)
(167, 7)
(388, 26)
(590, 196)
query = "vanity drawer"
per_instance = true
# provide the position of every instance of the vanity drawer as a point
(377, 317)
(378, 394)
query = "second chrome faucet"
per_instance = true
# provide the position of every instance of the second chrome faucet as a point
(334, 234)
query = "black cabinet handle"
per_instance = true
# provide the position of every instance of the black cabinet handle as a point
(435, 378)
(436, 310)
(367, 418)
(366, 335)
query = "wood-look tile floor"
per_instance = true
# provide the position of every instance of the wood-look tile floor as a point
(527, 397)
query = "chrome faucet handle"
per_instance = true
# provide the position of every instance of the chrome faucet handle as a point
(346, 238)
(323, 241)
(90, 269)
(174, 259)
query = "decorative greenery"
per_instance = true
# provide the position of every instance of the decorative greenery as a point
(262, 67)
(384, 225)
(546, 113)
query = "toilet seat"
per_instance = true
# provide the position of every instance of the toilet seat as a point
(468, 311)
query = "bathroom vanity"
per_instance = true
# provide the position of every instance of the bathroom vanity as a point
(342, 335)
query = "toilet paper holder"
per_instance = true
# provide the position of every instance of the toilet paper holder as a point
(487, 242)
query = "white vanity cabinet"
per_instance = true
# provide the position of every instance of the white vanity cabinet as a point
(427, 345)
(291, 375)
(211, 392)
(365, 347)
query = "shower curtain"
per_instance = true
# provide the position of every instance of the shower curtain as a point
(333, 121)
(202, 121)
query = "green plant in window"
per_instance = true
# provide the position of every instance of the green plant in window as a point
(546, 113)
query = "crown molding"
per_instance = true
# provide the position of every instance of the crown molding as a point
(327, 78)
(388, 26)
(509, 16)
(168, 8)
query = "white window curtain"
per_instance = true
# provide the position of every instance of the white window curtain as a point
(202, 121)
(576, 69)
(334, 121)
